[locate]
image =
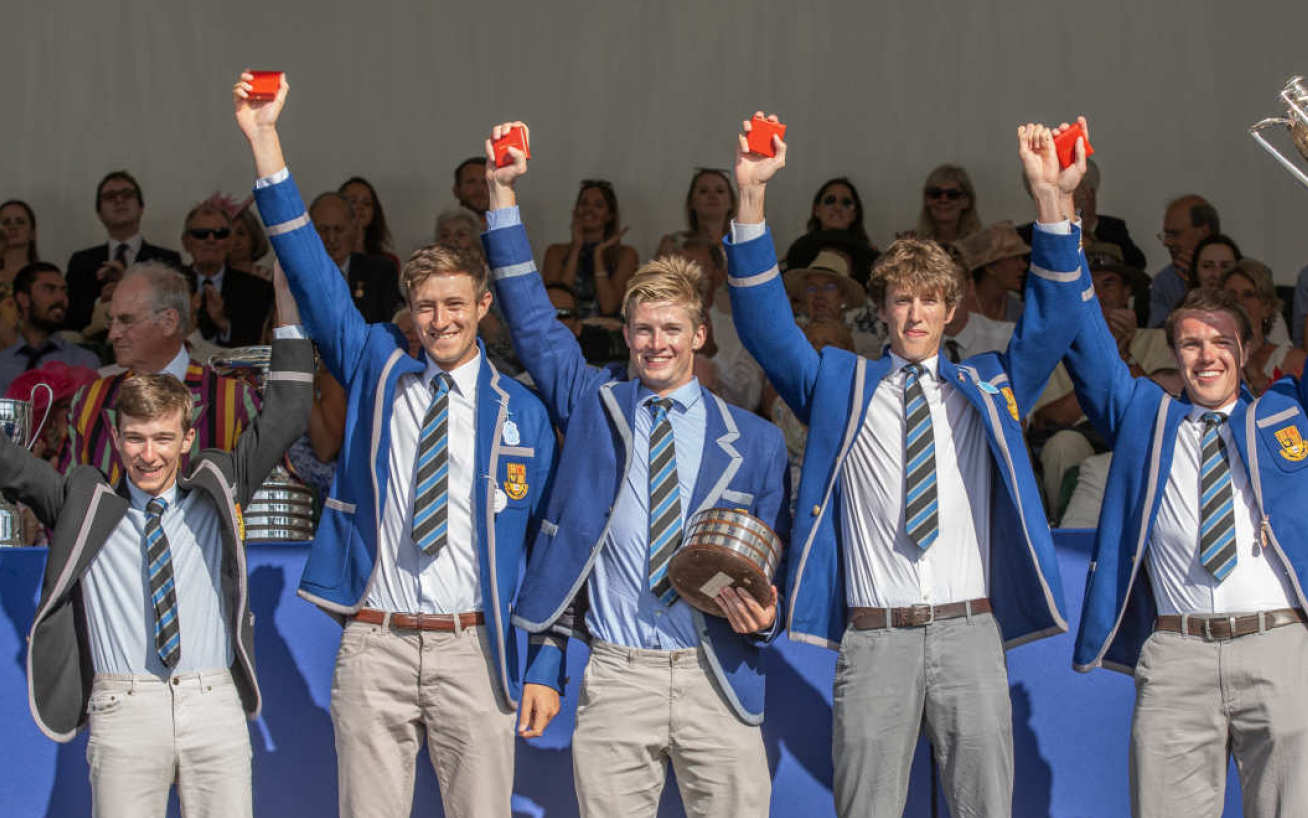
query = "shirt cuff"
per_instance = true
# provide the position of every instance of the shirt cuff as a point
(1063, 228)
(504, 217)
(741, 233)
(268, 181)
(289, 332)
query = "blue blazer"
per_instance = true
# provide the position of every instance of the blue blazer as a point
(743, 466)
(1140, 422)
(368, 359)
(831, 390)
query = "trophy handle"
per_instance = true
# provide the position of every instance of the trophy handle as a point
(48, 407)
(1255, 132)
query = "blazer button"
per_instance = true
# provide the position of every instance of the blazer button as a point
(817, 510)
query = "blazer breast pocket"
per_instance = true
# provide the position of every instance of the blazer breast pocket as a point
(1283, 440)
(514, 477)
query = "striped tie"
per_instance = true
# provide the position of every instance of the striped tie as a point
(430, 499)
(1216, 504)
(920, 512)
(664, 502)
(163, 593)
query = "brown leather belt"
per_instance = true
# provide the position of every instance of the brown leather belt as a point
(1216, 628)
(420, 621)
(871, 619)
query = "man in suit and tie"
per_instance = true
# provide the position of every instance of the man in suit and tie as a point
(120, 205)
(641, 457)
(922, 550)
(439, 483)
(234, 304)
(372, 279)
(1196, 584)
(143, 630)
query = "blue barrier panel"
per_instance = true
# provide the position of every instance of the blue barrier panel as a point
(1070, 730)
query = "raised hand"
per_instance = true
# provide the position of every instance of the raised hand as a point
(252, 115)
(611, 241)
(752, 169)
(500, 181)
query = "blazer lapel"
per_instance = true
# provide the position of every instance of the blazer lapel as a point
(720, 460)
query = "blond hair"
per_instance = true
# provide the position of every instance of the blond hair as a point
(442, 259)
(666, 280)
(151, 396)
(921, 266)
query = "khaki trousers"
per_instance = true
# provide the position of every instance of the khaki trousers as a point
(147, 733)
(393, 686)
(637, 710)
(1197, 701)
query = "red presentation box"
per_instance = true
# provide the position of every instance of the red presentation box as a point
(760, 135)
(516, 138)
(264, 86)
(1065, 145)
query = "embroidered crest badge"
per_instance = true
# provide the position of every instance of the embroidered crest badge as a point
(1293, 446)
(515, 485)
(1011, 400)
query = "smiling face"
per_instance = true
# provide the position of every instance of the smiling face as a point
(1212, 262)
(592, 211)
(470, 190)
(1209, 356)
(1246, 292)
(446, 310)
(48, 302)
(151, 449)
(835, 208)
(710, 197)
(16, 225)
(663, 337)
(916, 322)
(946, 201)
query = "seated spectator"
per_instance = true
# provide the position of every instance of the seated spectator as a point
(41, 298)
(971, 333)
(1300, 307)
(149, 319)
(8, 312)
(470, 188)
(995, 259)
(249, 245)
(836, 220)
(372, 236)
(1186, 222)
(949, 211)
(1058, 428)
(738, 376)
(373, 282)
(710, 206)
(235, 304)
(403, 319)
(595, 263)
(18, 223)
(457, 227)
(1212, 257)
(119, 205)
(1251, 282)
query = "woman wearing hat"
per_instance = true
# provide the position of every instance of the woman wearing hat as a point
(835, 222)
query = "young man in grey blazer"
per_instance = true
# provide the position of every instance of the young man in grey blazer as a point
(143, 629)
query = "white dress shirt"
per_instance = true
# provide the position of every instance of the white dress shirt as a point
(116, 590)
(883, 567)
(1180, 582)
(406, 580)
(133, 248)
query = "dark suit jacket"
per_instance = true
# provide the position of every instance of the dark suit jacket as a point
(84, 287)
(375, 285)
(247, 302)
(83, 510)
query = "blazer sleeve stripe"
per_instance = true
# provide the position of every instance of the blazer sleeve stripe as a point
(1050, 275)
(525, 268)
(286, 227)
(754, 280)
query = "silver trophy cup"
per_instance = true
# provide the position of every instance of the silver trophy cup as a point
(1295, 97)
(16, 424)
(282, 509)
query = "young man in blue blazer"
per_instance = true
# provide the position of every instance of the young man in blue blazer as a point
(918, 513)
(664, 681)
(1206, 494)
(440, 482)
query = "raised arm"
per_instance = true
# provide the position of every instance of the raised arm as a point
(29, 479)
(760, 307)
(320, 290)
(548, 349)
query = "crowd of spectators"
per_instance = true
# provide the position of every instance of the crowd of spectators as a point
(125, 303)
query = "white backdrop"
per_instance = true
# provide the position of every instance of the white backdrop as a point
(639, 92)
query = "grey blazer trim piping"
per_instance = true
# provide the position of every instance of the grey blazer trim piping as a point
(1050, 275)
(298, 377)
(286, 227)
(514, 270)
(340, 505)
(756, 279)
(1272, 420)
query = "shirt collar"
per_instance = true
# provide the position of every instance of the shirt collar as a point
(1197, 412)
(140, 499)
(464, 375)
(216, 278)
(931, 365)
(684, 396)
(178, 365)
(133, 246)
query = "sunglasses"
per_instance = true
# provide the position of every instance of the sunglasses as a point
(950, 193)
(219, 233)
(831, 199)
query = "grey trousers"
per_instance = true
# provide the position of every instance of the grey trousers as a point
(950, 677)
(1197, 701)
(637, 710)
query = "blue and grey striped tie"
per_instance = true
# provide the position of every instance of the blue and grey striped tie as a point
(664, 502)
(163, 592)
(431, 492)
(921, 519)
(1216, 502)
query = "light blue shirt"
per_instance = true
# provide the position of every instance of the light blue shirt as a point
(623, 610)
(116, 590)
(1165, 292)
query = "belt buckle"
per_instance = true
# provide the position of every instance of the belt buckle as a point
(922, 615)
(1208, 628)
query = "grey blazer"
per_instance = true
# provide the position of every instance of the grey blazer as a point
(83, 510)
